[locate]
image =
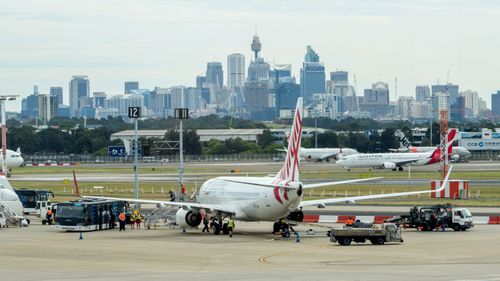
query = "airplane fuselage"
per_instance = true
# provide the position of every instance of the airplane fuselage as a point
(13, 159)
(378, 160)
(318, 154)
(251, 201)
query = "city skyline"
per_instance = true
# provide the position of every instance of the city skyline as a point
(170, 44)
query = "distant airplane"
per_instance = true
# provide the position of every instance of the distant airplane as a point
(395, 161)
(457, 152)
(13, 158)
(261, 198)
(324, 154)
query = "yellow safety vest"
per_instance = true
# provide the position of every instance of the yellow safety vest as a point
(230, 223)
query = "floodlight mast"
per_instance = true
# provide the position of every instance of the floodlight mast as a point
(4, 98)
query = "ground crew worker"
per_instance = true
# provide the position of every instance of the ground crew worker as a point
(48, 216)
(122, 219)
(205, 223)
(132, 220)
(138, 219)
(349, 222)
(230, 226)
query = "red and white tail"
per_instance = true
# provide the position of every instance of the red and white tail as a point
(436, 154)
(290, 170)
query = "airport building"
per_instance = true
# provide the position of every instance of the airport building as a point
(482, 145)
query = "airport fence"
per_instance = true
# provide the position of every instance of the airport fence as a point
(53, 159)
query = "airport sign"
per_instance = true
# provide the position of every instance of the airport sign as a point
(117, 151)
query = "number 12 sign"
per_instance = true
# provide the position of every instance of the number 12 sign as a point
(134, 112)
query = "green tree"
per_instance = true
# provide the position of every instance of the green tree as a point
(266, 138)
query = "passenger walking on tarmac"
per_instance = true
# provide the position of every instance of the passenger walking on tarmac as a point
(122, 219)
(205, 223)
(230, 226)
(48, 216)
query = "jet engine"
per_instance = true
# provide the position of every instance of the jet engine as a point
(187, 218)
(297, 216)
(389, 165)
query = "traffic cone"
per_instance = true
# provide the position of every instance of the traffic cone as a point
(81, 235)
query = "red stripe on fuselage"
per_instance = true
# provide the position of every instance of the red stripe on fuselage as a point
(277, 195)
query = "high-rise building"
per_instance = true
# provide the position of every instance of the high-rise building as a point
(281, 73)
(421, 109)
(235, 71)
(215, 75)
(256, 95)
(451, 91)
(312, 76)
(495, 104)
(404, 107)
(458, 109)
(471, 102)
(79, 93)
(47, 107)
(287, 95)
(201, 81)
(422, 92)
(130, 86)
(57, 91)
(376, 100)
(98, 99)
(256, 46)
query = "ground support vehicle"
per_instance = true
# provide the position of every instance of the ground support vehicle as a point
(378, 234)
(428, 218)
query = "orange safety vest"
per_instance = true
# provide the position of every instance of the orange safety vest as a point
(122, 217)
(49, 212)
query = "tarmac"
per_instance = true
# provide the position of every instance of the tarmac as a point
(44, 253)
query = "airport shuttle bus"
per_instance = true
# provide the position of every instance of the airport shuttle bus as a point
(87, 215)
(34, 200)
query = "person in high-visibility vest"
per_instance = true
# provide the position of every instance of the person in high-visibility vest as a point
(230, 226)
(122, 219)
(138, 218)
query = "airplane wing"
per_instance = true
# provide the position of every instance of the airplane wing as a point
(206, 207)
(400, 163)
(328, 156)
(321, 184)
(368, 197)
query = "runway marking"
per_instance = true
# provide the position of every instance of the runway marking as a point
(265, 259)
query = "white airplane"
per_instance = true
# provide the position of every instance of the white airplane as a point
(324, 154)
(405, 146)
(394, 161)
(13, 158)
(9, 201)
(260, 198)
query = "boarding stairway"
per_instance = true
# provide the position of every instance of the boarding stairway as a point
(161, 214)
(10, 217)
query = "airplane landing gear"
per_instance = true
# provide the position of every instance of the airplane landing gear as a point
(400, 168)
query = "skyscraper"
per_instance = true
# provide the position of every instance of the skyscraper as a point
(312, 76)
(130, 86)
(57, 91)
(495, 104)
(47, 107)
(376, 100)
(235, 71)
(422, 92)
(215, 75)
(79, 93)
(451, 91)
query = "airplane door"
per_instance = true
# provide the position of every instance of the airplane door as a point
(266, 199)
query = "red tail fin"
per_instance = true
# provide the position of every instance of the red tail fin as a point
(75, 184)
(451, 137)
(290, 170)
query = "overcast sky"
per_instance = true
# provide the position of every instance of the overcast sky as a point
(168, 42)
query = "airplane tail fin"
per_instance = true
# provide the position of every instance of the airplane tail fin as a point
(403, 141)
(290, 170)
(75, 184)
(18, 150)
(451, 138)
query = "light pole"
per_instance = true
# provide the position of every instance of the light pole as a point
(135, 113)
(431, 99)
(181, 114)
(4, 130)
